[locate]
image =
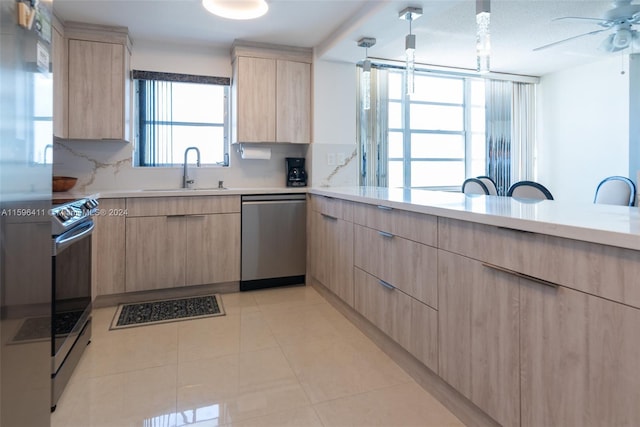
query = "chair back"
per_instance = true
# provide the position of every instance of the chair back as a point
(529, 190)
(616, 190)
(490, 184)
(474, 186)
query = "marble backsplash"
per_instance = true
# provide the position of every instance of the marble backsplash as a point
(108, 165)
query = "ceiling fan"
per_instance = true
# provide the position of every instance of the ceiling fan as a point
(620, 19)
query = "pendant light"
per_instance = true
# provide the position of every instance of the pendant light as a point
(483, 39)
(410, 14)
(236, 9)
(365, 79)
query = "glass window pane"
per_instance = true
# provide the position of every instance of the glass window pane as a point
(209, 141)
(436, 89)
(197, 103)
(396, 174)
(43, 100)
(395, 115)
(477, 92)
(395, 85)
(437, 145)
(436, 117)
(477, 119)
(395, 145)
(42, 135)
(437, 174)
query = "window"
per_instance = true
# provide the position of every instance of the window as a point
(436, 136)
(178, 111)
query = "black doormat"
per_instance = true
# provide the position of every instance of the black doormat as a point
(164, 311)
(39, 328)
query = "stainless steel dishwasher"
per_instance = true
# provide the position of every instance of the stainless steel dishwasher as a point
(274, 240)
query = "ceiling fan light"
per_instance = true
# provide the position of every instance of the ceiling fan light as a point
(236, 9)
(621, 39)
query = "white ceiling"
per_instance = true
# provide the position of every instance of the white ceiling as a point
(445, 33)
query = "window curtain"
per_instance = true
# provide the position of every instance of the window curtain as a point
(523, 113)
(372, 130)
(498, 97)
(155, 139)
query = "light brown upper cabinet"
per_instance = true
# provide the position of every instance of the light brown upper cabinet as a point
(59, 63)
(271, 94)
(99, 84)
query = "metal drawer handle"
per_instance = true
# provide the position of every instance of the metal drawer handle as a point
(329, 217)
(176, 216)
(385, 234)
(521, 275)
(387, 285)
(385, 208)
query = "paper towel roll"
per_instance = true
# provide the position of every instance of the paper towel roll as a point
(255, 153)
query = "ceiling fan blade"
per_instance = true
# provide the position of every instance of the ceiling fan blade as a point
(606, 23)
(570, 38)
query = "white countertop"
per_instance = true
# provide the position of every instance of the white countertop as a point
(604, 224)
(179, 192)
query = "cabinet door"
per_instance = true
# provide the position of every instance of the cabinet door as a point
(387, 308)
(579, 365)
(59, 63)
(96, 90)
(293, 95)
(332, 240)
(155, 252)
(479, 335)
(213, 248)
(110, 244)
(256, 99)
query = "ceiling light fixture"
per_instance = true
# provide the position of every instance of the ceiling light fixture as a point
(237, 9)
(365, 79)
(483, 39)
(410, 14)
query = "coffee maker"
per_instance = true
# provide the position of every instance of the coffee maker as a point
(296, 175)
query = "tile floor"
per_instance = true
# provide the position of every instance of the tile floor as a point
(280, 357)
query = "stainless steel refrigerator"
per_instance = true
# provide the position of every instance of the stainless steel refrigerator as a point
(26, 87)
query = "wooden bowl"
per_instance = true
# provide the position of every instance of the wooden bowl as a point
(63, 183)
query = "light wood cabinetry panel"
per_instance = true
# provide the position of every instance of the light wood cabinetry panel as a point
(580, 359)
(110, 244)
(423, 343)
(271, 94)
(388, 309)
(332, 244)
(192, 205)
(600, 270)
(410, 225)
(156, 248)
(293, 95)
(60, 91)
(255, 100)
(213, 248)
(479, 335)
(407, 265)
(333, 207)
(97, 73)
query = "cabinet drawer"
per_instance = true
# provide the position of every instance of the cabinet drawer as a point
(192, 205)
(335, 208)
(423, 343)
(407, 265)
(600, 270)
(410, 225)
(387, 308)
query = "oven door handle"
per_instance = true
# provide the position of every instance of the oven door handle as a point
(67, 239)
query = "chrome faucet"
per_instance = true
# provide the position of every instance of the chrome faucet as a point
(186, 182)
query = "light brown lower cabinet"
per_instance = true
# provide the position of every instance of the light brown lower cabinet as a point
(331, 249)
(580, 359)
(479, 343)
(110, 244)
(178, 250)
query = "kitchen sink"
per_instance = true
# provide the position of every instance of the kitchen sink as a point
(187, 189)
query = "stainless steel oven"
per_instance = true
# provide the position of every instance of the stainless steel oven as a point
(72, 227)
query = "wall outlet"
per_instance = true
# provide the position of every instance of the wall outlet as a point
(340, 159)
(331, 159)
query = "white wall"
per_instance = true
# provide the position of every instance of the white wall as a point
(583, 137)
(334, 129)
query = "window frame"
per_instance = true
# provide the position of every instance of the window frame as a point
(139, 76)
